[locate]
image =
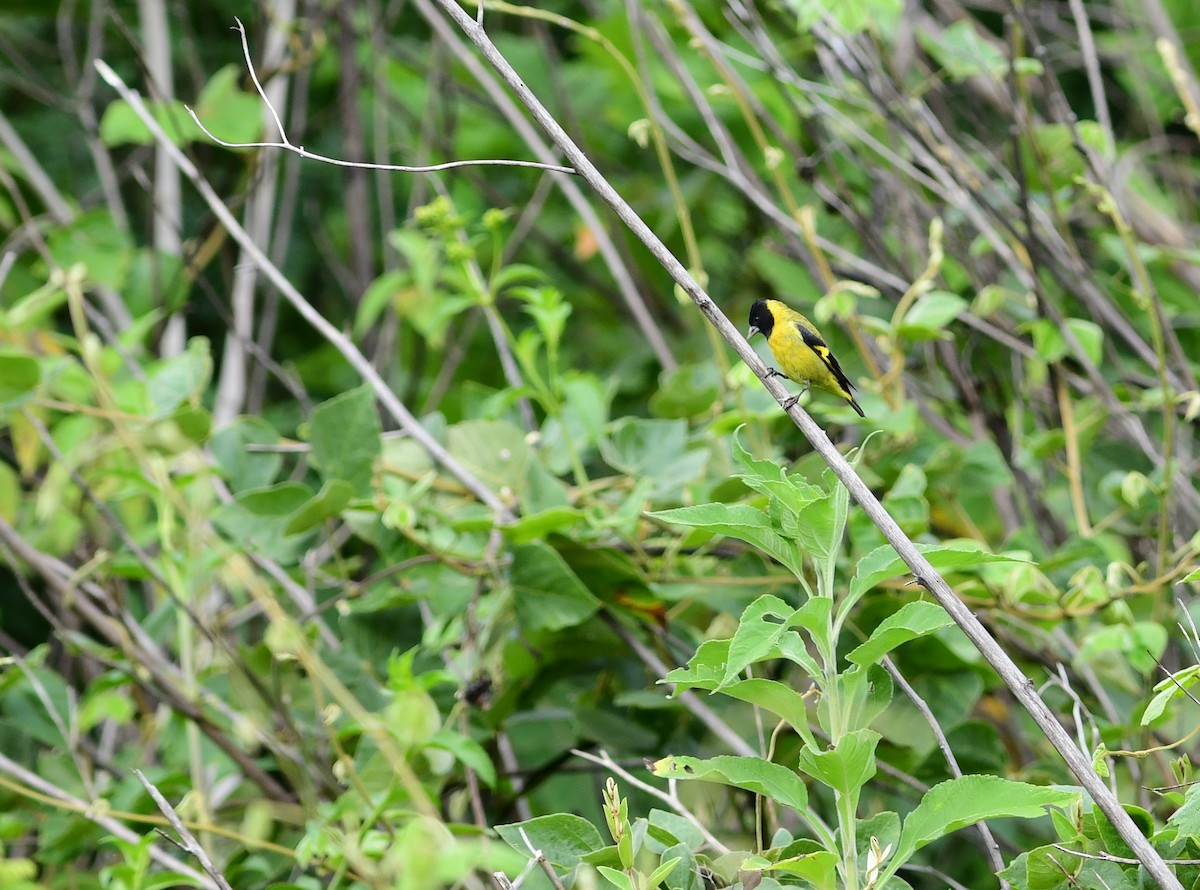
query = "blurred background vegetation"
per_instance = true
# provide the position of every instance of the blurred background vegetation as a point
(224, 565)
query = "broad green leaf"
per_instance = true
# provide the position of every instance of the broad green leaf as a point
(19, 376)
(687, 391)
(930, 315)
(616, 877)
(1187, 818)
(325, 504)
(121, 125)
(654, 449)
(242, 466)
(769, 477)
(882, 564)
(537, 526)
(1051, 344)
(93, 239)
(257, 518)
(379, 295)
(547, 594)
(740, 521)
(956, 803)
(664, 868)
(228, 112)
(564, 838)
(851, 16)
(275, 500)
(181, 378)
(915, 619)
(704, 670)
(771, 695)
(771, 780)
(848, 766)
(494, 450)
(818, 868)
(1169, 689)
(685, 875)
(680, 830)
(345, 436)
(761, 625)
(964, 52)
(466, 751)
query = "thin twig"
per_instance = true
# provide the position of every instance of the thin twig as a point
(669, 799)
(189, 840)
(989, 842)
(287, 145)
(94, 813)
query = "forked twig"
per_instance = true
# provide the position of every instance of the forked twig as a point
(287, 145)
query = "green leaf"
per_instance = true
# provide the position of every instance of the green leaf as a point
(244, 468)
(616, 877)
(380, 293)
(325, 504)
(228, 112)
(547, 594)
(686, 391)
(345, 436)
(466, 751)
(1169, 689)
(654, 449)
(740, 521)
(818, 867)
(665, 868)
(963, 52)
(537, 526)
(771, 780)
(882, 564)
(930, 314)
(956, 803)
(19, 376)
(848, 766)
(770, 478)
(1051, 343)
(686, 873)
(93, 239)
(181, 378)
(564, 838)
(757, 636)
(910, 621)
(851, 16)
(121, 125)
(494, 450)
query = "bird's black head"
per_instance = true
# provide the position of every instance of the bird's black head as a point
(761, 320)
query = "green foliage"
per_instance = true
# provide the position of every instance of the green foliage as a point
(224, 565)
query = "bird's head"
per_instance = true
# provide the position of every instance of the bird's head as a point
(761, 320)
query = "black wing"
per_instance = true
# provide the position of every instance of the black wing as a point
(814, 342)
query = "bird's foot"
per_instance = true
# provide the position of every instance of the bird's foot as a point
(790, 403)
(775, 372)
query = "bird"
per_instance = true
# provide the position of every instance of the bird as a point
(800, 350)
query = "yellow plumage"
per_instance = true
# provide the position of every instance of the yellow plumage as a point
(800, 350)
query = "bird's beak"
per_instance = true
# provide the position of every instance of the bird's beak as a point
(750, 333)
